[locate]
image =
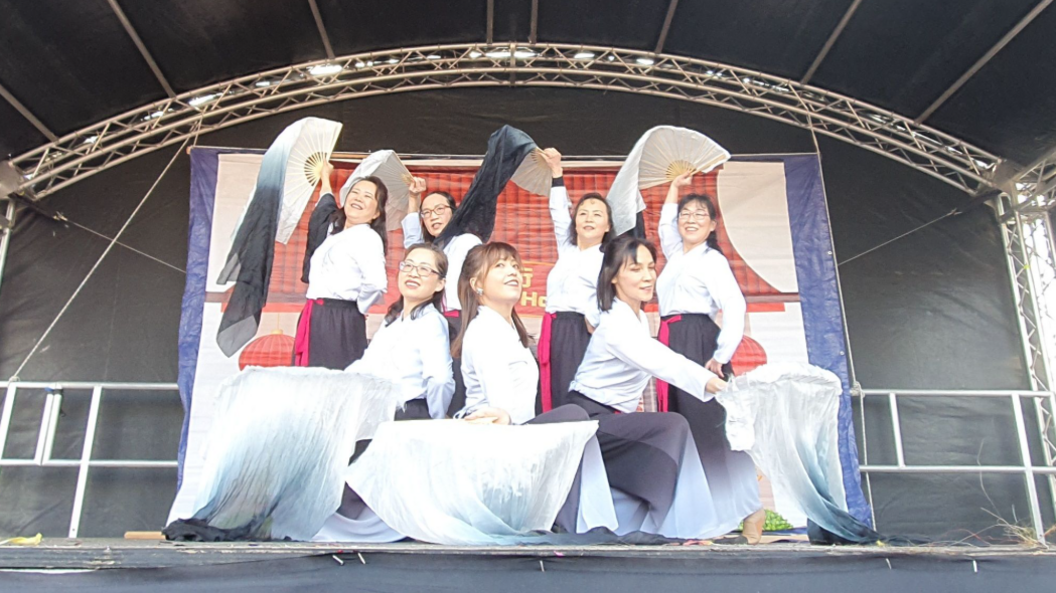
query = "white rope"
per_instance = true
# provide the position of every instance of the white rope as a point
(126, 246)
(106, 251)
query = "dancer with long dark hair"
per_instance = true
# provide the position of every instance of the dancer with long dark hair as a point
(650, 457)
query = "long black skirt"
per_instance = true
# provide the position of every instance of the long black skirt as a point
(569, 513)
(568, 339)
(416, 409)
(331, 333)
(642, 451)
(458, 399)
(731, 474)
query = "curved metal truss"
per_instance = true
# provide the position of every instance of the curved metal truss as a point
(108, 143)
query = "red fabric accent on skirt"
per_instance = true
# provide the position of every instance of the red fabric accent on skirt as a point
(454, 313)
(664, 335)
(304, 334)
(546, 392)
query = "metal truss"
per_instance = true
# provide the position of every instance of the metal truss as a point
(1027, 234)
(111, 142)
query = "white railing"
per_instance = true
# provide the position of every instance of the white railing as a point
(49, 424)
(52, 392)
(1026, 468)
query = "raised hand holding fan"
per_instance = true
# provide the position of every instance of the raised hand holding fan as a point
(660, 155)
(313, 141)
(669, 152)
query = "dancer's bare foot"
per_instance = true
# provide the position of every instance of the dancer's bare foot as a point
(753, 527)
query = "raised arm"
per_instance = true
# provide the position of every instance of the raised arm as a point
(670, 240)
(412, 223)
(559, 203)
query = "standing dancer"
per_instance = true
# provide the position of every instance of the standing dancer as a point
(572, 285)
(695, 285)
(344, 266)
(430, 216)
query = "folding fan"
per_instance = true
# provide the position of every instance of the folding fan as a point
(313, 141)
(660, 155)
(385, 165)
(533, 174)
(670, 151)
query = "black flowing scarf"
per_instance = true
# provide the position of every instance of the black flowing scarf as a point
(507, 148)
(253, 252)
(319, 224)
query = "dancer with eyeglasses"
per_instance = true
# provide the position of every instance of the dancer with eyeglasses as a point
(411, 348)
(426, 219)
(344, 266)
(694, 287)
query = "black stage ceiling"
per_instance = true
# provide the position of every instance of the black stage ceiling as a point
(73, 63)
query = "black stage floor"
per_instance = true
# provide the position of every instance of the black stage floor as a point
(123, 565)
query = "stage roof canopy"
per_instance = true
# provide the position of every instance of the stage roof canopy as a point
(981, 70)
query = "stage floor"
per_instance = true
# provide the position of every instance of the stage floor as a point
(81, 554)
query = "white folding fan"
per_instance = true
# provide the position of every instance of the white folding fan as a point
(313, 141)
(387, 166)
(660, 155)
(533, 174)
(670, 151)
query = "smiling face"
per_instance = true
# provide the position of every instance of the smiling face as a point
(696, 221)
(436, 213)
(419, 278)
(501, 283)
(361, 204)
(636, 279)
(592, 222)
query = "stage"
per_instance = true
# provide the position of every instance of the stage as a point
(117, 565)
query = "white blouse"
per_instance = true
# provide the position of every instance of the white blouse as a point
(349, 266)
(455, 250)
(572, 284)
(621, 357)
(699, 281)
(497, 370)
(416, 355)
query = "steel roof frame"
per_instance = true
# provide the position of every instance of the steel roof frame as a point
(95, 148)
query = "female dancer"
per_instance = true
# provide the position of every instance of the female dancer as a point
(694, 286)
(435, 212)
(499, 370)
(346, 274)
(412, 348)
(572, 285)
(646, 454)
(501, 375)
